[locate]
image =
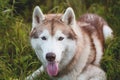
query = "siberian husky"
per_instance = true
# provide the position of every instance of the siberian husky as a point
(69, 49)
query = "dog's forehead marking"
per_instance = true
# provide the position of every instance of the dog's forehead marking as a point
(53, 23)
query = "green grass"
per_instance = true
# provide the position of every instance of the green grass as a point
(111, 59)
(17, 58)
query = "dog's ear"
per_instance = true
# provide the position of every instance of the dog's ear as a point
(69, 16)
(38, 16)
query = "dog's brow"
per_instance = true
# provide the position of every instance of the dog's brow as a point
(34, 34)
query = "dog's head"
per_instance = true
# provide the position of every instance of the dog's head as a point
(53, 37)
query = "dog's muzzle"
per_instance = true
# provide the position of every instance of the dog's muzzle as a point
(52, 65)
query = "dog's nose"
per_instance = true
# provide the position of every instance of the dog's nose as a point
(50, 56)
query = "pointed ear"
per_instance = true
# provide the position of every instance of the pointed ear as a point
(69, 16)
(37, 17)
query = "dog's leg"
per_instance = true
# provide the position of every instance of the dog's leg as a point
(35, 74)
(92, 73)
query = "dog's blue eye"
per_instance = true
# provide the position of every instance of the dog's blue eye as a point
(60, 38)
(43, 38)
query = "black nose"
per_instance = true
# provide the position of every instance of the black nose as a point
(50, 56)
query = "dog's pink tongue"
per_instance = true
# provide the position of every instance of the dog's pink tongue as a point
(52, 68)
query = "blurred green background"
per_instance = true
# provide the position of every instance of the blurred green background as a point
(17, 59)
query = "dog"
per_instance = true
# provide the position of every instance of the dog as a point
(69, 49)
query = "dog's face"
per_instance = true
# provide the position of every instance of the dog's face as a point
(53, 39)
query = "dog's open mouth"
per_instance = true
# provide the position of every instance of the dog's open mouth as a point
(52, 68)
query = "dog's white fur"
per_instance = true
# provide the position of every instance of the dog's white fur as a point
(107, 31)
(80, 48)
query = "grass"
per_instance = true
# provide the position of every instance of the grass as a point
(17, 58)
(111, 59)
